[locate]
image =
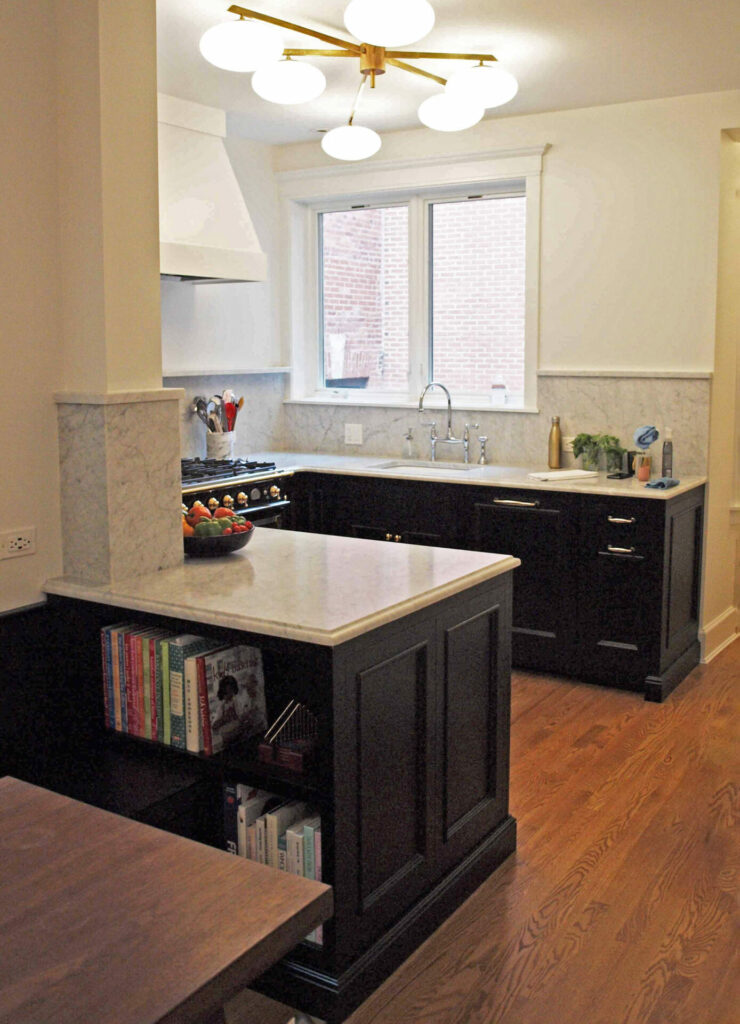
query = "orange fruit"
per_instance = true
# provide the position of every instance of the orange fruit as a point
(187, 529)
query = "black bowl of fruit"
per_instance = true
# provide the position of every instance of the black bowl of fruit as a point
(206, 534)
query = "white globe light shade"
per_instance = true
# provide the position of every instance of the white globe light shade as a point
(351, 142)
(241, 45)
(288, 81)
(446, 114)
(389, 22)
(486, 85)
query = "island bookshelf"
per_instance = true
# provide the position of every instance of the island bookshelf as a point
(410, 778)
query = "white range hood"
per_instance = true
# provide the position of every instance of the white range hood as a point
(205, 231)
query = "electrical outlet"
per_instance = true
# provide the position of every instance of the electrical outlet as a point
(566, 444)
(353, 433)
(14, 543)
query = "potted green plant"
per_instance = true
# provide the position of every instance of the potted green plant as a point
(590, 446)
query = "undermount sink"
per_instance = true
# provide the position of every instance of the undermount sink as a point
(418, 464)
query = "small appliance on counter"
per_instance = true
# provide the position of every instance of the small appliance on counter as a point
(253, 489)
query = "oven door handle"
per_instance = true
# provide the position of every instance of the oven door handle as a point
(252, 512)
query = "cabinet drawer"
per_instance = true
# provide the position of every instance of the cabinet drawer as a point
(623, 528)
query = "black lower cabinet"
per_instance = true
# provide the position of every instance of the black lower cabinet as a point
(539, 529)
(400, 511)
(638, 591)
(411, 777)
(608, 587)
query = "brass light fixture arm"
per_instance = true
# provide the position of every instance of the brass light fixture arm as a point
(362, 50)
(345, 44)
(414, 71)
(427, 55)
(319, 53)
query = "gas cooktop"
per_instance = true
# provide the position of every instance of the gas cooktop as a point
(209, 471)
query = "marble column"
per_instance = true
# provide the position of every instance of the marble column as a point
(120, 482)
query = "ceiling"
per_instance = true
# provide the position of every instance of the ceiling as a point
(576, 53)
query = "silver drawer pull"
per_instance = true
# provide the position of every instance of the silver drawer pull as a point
(519, 504)
(619, 551)
(622, 522)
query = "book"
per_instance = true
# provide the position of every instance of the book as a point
(309, 851)
(276, 822)
(282, 853)
(155, 683)
(317, 935)
(179, 648)
(261, 840)
(129, 679)
(119, 671)
(162, 656)
(193, 728)
(252, 841)
(294, 847)
(230, 818)
(232, 696)
(109, 652)
(142, 642)
(252, 803)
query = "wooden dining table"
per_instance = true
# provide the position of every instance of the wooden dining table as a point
(104, 920)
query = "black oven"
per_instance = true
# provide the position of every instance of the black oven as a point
(252, 489)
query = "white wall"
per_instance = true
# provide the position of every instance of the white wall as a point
(629, 224)
(29, 351)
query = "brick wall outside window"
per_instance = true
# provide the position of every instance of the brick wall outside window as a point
(478, 293)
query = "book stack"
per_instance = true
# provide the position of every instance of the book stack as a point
(182, 690)
(286, 834)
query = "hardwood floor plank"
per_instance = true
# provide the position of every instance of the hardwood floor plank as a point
(620, 905)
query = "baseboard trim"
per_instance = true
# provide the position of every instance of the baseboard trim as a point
(719, 633)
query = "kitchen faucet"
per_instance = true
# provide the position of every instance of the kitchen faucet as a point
(449, 438)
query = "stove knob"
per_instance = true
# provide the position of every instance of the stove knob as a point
(255, 494)
(241, 498)
(227, 501)
(274, 492)
(185, 507)
(212, 503)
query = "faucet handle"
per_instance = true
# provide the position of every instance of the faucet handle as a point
(468, 428)
(482, 457)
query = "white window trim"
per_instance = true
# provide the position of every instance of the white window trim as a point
(305, 192)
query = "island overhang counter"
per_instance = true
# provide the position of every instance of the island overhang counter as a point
(403, 652)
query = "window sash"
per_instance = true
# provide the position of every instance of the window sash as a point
(382, 183)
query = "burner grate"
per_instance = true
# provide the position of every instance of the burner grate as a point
(205, 470)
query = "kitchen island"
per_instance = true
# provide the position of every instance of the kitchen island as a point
(403, 654)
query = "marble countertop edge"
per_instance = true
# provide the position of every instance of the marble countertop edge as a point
(119, 595)
(514, 477)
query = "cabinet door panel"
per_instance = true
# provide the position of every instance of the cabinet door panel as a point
(619, 622)
(475, 728)
(382, 753)
(542, 615)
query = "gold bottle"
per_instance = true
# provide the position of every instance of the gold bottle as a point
(553, 444)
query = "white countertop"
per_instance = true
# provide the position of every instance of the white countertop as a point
(486, 476)
(301, 586)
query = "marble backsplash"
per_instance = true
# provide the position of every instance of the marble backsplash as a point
(598, 404)
(260, 424)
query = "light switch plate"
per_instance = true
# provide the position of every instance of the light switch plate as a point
(353, 433)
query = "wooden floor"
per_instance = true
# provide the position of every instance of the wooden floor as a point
(620, 904)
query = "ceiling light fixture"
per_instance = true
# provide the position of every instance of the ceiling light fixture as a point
(288, 81)
(490, 86)
(389, 22)
(249, 45)
(241, 45)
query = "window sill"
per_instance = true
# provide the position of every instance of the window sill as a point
(402, 402)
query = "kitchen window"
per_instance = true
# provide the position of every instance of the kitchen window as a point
(394, 287)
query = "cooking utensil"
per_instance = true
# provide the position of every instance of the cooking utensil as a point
(200, 409)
